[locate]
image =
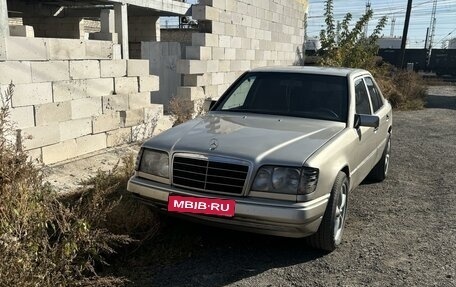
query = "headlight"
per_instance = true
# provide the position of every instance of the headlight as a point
(277, 179)
(155, 163)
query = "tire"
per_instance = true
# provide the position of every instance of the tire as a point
(380, 170)
(329, 234)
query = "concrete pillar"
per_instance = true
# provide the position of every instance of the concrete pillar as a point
(4, 28)
(107, 19)
(121, 26)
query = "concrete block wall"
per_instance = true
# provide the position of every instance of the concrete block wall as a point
(70, 107)
(235, 36)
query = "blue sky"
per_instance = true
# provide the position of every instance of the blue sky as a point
(419, 21)
(420, 17)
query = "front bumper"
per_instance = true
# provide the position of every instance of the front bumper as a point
(266, 216)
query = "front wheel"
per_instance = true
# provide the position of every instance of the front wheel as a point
(329, 234)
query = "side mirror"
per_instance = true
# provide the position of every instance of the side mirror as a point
(366, 121)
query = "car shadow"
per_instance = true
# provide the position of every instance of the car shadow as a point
(219, 257)
(441, 102)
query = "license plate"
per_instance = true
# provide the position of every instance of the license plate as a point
(201, 205)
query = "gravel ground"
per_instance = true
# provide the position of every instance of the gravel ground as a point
(401, 232)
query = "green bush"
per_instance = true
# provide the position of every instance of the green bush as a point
(343, 46)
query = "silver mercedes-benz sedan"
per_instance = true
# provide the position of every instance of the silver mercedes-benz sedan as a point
(277, 154)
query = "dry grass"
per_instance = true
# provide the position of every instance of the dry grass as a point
(47, 240)
(404, 89)
(182, 110)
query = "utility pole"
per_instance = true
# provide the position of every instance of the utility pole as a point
(405, 32)
(430, 39)
(366, 28)
(393, 23)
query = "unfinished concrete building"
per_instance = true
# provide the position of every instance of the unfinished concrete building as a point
(91, 74)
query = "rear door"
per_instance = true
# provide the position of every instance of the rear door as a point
(380, 109)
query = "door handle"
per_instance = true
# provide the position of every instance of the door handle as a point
(387, 118)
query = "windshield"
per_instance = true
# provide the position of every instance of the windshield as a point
(289, 94)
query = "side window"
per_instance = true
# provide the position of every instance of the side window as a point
(362, 98)
(238, 96)
(376, 99)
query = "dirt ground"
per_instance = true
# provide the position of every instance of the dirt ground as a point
(401, 232)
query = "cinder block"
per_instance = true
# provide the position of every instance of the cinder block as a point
(21, 48)
(224, 41)
(236, 42)
(221, 4)
(113, 68)
(222, 89)
(34, 155)
(230, 54)
(191, 67)
(22, 117)
(98, 49)
(163, 124)
(149, 83)
(59, 152)
(69, 90)
(32, 94)
(205, 39)
(21, 31)
(218, 78)
(90, 143)
(75, 128)
(65, 49)
(212, 66)
(106, 122)
(224, 66)
(118, 137)
(132, 118)
(195, 80)
(137, 68)
(203, 12)
(87, 69)
(231, 5)
(50, 71)
(52, 112)
(16, 72)
(218, 28)
(230, 29)
(115, 103)
(250, 55)
(86, 108)
(190, 93)
(211, 92)
(198, 53)
(113, 37)
(99, 87)
(126, 85)
(218, 53)
(152, 119)
(139, 100)
(36, 137)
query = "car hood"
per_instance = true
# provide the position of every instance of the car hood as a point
(257, 138)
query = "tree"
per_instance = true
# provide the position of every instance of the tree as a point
(342, 46)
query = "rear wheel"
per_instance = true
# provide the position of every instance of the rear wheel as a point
(329, 234)
(380, 170)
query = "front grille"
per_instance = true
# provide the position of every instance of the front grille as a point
(209, 175)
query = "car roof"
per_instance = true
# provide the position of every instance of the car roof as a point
(341, 72)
